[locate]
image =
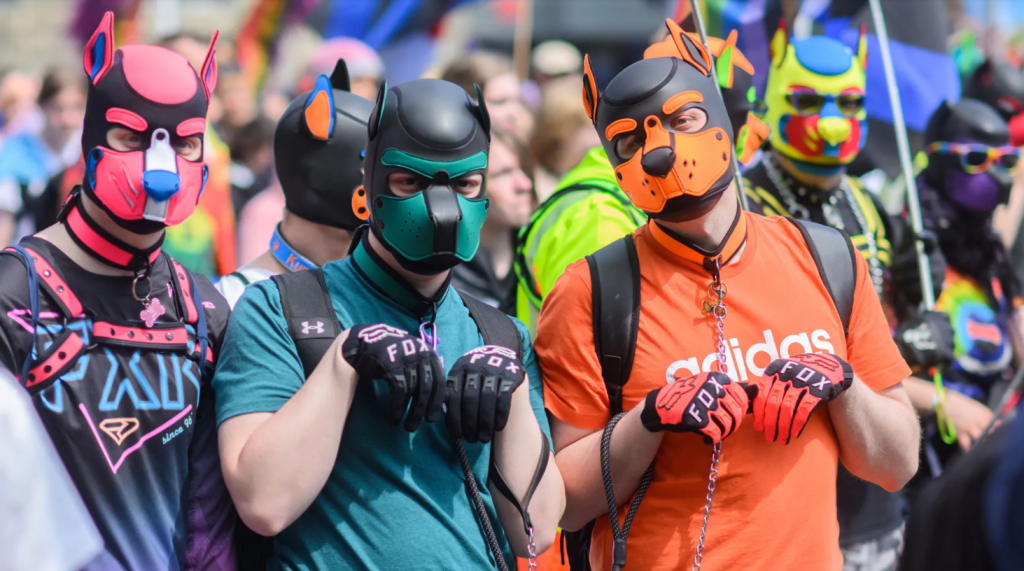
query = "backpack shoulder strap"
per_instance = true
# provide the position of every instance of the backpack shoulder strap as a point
(311, 320)
(835, 256)
(495, 327)
(615, 284)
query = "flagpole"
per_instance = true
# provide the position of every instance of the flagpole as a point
(946, 430)
(522, 38)
(737, 174)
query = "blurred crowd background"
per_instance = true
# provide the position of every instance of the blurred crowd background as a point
(525, 54)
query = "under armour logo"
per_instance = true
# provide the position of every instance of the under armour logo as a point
(318, 327)
(920, 338)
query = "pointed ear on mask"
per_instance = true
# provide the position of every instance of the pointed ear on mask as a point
(481, 111)
(590, 94)
(319, 112)
(373, 127)
(208, 73)
(339, 77)
(780, 44)
(99, 50)
(862, 47)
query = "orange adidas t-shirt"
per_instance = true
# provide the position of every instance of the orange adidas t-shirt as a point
(775, 506)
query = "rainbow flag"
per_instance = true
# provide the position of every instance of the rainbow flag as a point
(257, 41)
(88, 14)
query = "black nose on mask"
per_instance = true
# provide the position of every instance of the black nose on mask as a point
(658, 162)
(446, 214)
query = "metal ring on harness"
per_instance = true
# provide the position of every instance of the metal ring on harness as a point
(135, 284)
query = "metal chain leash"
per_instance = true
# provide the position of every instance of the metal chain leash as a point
(832, 216)
(531, 549)
(717, 291)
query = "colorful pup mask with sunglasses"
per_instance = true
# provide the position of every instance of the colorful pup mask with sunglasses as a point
(969, 157)
(156, 93)
(815, 99)
(666, 173)
(433, 129)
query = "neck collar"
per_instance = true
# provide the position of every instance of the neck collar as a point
(387, 281)
(101, 244)
(726, 251)
(287, 254)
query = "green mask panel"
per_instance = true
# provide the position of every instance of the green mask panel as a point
(408, 227)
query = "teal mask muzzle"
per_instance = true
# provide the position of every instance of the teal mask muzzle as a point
(436, 229)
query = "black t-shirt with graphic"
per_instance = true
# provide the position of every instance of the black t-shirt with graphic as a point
(135, 427)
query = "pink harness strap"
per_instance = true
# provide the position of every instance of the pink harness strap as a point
(191, 314)
(67, 352)
(177, 337)
(70, 305)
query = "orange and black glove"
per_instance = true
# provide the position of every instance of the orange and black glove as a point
(790, 390)
(709, 404)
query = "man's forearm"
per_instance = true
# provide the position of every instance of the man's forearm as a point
(285, 460)
(879, 434)
(7, 220)
(633, 448)
(516, 453)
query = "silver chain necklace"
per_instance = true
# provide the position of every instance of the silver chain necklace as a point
(832, 216)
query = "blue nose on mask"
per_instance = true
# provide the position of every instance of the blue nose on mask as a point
(160, 185)
(160, 180)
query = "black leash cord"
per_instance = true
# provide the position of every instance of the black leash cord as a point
(481, 511)
(619, 538)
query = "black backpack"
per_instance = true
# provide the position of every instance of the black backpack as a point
(615, 286)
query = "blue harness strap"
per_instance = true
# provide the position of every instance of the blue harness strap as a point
(33, 296)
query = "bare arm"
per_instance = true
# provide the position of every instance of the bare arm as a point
(968, 416)
(578, 454)
(7, 220)
(516, 452)
(275, 464)
(878, 433)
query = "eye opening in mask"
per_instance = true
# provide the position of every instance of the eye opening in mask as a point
(689, 120)
(406, 183)
(808, 102)
(628, 144)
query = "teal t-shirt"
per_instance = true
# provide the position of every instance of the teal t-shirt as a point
(395, 500)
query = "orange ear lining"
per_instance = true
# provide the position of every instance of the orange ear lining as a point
(589, 90)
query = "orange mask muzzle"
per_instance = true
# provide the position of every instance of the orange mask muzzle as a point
(673, 164)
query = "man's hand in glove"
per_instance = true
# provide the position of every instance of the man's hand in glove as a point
(480, 387)
(409, 365)
(926, 341)
(709, 404)
(906, 276)
(790, 389)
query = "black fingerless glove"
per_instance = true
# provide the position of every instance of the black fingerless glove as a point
(411, 368)
(480, 387)
(926, 341)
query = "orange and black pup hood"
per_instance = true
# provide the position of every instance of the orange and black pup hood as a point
(671, 174)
